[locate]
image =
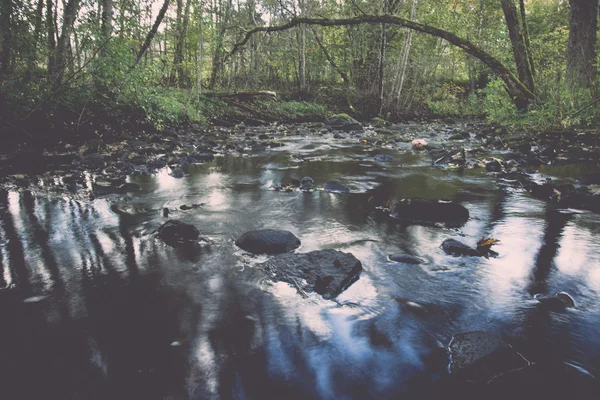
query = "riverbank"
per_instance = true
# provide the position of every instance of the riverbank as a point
(102, 165)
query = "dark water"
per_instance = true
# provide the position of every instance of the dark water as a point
(96, 307)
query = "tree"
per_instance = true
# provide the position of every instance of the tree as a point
(107, 22)
(182, 23)
(6, 9)
(69, 15)
(519, 46)
(152, 32)
(581, 48)
(520, 94)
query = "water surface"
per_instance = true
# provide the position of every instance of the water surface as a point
(94, 306)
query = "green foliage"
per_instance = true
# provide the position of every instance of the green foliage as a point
(342, 116)
(297, 110)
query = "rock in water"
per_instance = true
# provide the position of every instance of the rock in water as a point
(268, 241)
(343, 122)
(479, 356)
(456, 248)
(327, 272)
(307, 184)
(176, 233)
(406, 259)
(558, 302)
(335, 187)
(177, 173)
(419, 144)
(430, 211)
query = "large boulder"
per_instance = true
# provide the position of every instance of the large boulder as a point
(327, 272)
(456, 248)
(559, 302)
(268, 241)
(478, 356)
(430, 211)
(176, 233)
(343, 122)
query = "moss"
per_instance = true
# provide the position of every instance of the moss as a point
(343, 116)
(459, 136)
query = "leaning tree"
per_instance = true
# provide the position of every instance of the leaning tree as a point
(519, 92)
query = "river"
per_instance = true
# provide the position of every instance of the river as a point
(95, 306)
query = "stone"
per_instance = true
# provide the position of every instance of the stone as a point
(335, 187)
(93, 161)
(307, 184)
(201, 157)
(479, 356)
(268, 241)
(384, 158)
(558, 302)
(493, 165)
(344, 122)
(419, 144)
(430, 211)
(177, 173)
(456, 248)
(406, 259)
(326, 272)
(176, 233)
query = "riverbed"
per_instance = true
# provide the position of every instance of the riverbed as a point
(95, 306)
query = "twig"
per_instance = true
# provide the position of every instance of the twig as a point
(585, 107)
(69, 79)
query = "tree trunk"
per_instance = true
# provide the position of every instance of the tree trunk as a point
(6, 9)
(62, 48)
(152, 32)
(37, 30)
(520, 94)
(406, 54)
(218, 60)
(107, 22)
(526, 35)
(182, 24)
(302, 61)
(381, 66)
(51, 38)
(177, 35)
(200, 51)
(335, 67)
(581, 49)
(518, 44)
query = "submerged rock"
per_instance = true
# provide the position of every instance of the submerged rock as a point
(177, 173)
(384, 158)
(456, 248)
(176, 233)
(102, 188)
(268, 241)
(406, 258)
(558, 302)
(307, 184)
(336, 187)
(478, 356)
(327, 272)
(430, 211)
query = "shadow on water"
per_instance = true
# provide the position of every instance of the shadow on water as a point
(94, 306)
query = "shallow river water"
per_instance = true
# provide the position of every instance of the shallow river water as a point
(95, 306)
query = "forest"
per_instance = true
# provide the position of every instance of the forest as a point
(299, 199)
(164, 62)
